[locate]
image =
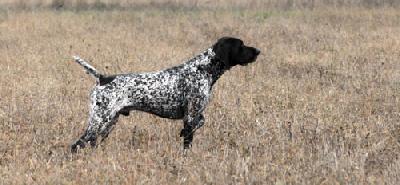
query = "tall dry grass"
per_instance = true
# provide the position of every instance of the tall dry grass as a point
(194, 4)
(320, 106)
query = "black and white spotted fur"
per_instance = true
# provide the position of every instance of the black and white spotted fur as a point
(180, 92)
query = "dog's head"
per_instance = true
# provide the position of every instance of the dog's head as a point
(232, 52)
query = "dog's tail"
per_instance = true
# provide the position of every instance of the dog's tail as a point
(89, 69)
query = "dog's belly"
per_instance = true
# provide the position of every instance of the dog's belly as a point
(165, 105)
(171, 111)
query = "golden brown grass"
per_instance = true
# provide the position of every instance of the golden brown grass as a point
(320, 106)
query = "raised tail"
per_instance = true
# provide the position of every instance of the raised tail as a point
(89, 69)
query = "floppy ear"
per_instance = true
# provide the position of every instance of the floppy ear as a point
(222, 52)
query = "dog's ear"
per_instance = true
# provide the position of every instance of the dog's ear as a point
(222, 51)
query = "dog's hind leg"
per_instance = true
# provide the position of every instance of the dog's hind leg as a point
(99, 124)
(87, 137)
(90, 134)
(106, 129)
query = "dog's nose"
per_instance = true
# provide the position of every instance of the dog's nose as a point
(257, 51)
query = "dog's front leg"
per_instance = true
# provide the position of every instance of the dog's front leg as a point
(193, 118)
(191, 124)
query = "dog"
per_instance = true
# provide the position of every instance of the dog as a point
(180, 92)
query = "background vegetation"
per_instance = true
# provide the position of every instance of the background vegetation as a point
(320, 106)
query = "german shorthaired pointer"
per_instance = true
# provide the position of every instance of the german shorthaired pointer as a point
(180, 92)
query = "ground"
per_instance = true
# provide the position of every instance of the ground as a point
(320, 106)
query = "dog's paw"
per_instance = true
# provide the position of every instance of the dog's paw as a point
(187, 145)
(77, 145)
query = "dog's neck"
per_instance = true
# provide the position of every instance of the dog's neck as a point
(216, 69)
(208, 62)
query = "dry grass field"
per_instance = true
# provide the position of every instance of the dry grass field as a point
(320, 106)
